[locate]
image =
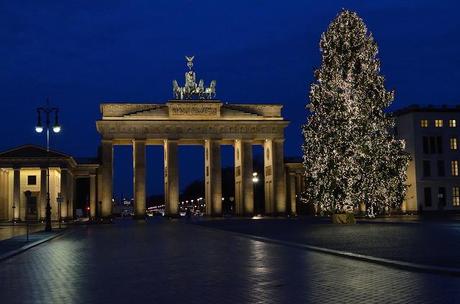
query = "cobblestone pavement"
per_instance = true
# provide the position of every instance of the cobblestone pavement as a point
(10, 230)
(434, 243)
(18, 244)
(163, 261)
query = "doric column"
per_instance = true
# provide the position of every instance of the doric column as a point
(99, 192)
(3, 200)
(268, 177)
(362, 208)
(139, 177)
(92, 195)
(65, 191)
(275, 183)
(280, 179)
(213, 177)
(404, 206)
(244, 188)
(107, 167)
(43, 194)
(292, 192)
(16, 193)
(299, 183)
(171, 173)
(71, 185)
(4, 209)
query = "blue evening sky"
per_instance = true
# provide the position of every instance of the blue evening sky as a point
(81, 53)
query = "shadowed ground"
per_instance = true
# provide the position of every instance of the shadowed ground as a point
(163, 261)
(429, 242)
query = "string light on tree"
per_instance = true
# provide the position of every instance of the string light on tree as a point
(349, 154)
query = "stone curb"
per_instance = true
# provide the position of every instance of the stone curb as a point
(28, 246)
(361, 257)
(365, 221)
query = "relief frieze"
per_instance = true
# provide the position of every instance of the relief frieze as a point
(194, 110)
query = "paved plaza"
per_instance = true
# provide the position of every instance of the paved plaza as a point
(8, 230)
(433, 242)
(174, 261)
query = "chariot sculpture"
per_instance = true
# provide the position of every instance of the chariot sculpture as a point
(191, 89)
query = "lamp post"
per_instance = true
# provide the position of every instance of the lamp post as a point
(39, 128)
(14, 213)
(59, 199)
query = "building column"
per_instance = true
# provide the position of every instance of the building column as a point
(171, 174)
(279, 174)
(299, 183)
(244, 188)
(43, 194)
(64, 194)
(404, 206)
(92, 195)
(213, 178)
(268, 177)
(5, 194)
(275, 182)
(107, 168)
(99, 192)
(71, 184)
(16, 193)
(139, 177)
(3, 198)
(292, 192)
(362, 208)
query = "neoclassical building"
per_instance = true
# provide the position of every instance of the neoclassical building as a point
(23, 183)
(209, 123)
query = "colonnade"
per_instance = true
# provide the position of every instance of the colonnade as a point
(15, 207)
(295, 184)
(275, 184)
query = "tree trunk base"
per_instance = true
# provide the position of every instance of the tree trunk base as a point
(343, 218)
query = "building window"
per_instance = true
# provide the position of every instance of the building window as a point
(31, 180)
(454, 167)
(439, 144)
(452, 123)
(426, 144)
(426, 168)
(441, 197)
(438, 123)
(441, 171)
(427, 192)
(453, 143)
(432, 144)
(456, 196)
(424, 123)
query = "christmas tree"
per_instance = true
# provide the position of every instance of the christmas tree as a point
(350, 155)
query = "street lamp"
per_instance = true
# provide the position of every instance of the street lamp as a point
(255, 177)
(39, 128)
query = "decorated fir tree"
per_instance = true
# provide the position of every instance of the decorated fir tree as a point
(350, 154)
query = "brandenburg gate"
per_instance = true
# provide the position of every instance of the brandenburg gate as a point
(196, 117)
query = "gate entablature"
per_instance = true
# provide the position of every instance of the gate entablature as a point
(189, 120)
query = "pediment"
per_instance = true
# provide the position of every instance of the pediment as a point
(154, 112)
(31, 151)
